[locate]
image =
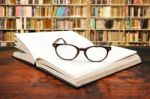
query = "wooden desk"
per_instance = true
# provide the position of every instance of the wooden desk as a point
(22, 81)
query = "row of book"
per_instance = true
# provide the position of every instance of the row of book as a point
(58, 24)
(113, 11)
(120, 2)
(137, 24)
(137, 11)
(7, 11)
(43, 1)
(107, 1)
(7, 36)
(70, 11)
(69, 1)
(7, 24)
(137, 36)
(107, 11)
(25, 1)
(106, 24)
(7, 1)
(116, 37)
(42, 24)
(138, 2)
(29, 11)
(38, 24)
(119, 24)
(69, 24)
(99, 11)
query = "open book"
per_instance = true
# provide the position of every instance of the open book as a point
(37, 49)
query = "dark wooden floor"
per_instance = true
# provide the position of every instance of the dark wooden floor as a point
(19, 80)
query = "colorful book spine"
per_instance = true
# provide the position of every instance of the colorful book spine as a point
(1, 11)
(18, 11)
(92, 23)
(65, 11)
(60, 11)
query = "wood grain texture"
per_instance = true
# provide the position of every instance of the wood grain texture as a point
(19, 80)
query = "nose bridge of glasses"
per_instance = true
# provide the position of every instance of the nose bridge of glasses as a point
(81, 49)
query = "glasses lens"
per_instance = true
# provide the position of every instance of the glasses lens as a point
(96, 53)
(66, 51)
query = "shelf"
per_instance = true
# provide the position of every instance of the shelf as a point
(7, 41)
(107, 29)
(98, 17)
(54, 29)
(7, 4)
(38, 29)
(134, 17)
(69, 17)
(108, 5)
(8, 29)
(38, 17)
(139, 42)
(138, 5)
(75, 29)
(120, 29)
(137, 29)
(9, 17)
(109, 41)
(34, 5)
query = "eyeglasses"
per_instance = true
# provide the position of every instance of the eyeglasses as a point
(69, 52)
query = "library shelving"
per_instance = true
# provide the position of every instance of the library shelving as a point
(116, 22)
(120, 22)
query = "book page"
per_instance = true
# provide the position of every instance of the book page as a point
(41, 43)
(81, 66)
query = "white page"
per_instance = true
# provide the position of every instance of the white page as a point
(40, 45)
(81, 66)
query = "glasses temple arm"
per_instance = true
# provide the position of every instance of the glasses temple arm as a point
(59, 40)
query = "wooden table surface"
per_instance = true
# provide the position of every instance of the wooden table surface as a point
(19, 80)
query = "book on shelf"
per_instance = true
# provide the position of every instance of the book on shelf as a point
(9, 1)
(135, 36)
(68, 1)
(108, 1)
(9, 36)
(2, 11)
(23, 11)
(1, 35)
(37, 49)
(19, 24)
(10, 11)
(38, 24)
(2, 25)
(92, 23)
(61, 11)
(10, 24)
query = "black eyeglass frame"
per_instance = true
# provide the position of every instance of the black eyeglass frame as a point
(55, 45)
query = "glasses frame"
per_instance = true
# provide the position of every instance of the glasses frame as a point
(56, 44)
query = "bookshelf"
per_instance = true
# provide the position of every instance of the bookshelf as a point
(120, 22)
(116, 22)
